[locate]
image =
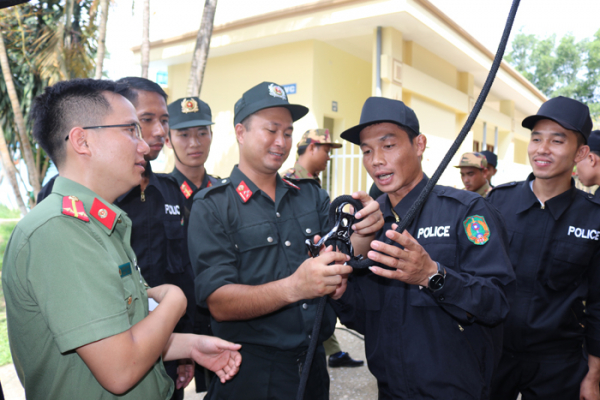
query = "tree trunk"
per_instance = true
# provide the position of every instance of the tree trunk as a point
(34, 175)
(202, 47)
(10, 171)
(101, 38)
(146, 39)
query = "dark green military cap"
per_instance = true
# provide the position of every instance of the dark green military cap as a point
(265, 95)
(189, 112)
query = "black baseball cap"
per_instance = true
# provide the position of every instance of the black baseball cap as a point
(265, 95)
(568, 113)
(594, 141)
(491, 158)
(380, 109)
(189, 112)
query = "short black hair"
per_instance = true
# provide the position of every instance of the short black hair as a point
(596, 152)
(135, 83)
(67, 104)
(411, 134)
(302, 149)
(246, 122)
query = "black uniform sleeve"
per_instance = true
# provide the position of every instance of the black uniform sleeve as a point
(592, 325)
(474, 290)
(212, 251)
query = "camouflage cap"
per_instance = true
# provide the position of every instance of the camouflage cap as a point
(318, 136)
(475, 160)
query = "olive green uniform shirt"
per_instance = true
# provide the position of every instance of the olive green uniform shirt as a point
(69, 282)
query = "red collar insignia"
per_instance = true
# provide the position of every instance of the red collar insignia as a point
(186, 190)
(209, 184)
(103, 213)
(243, 191)
(291, 184)
(73, 207)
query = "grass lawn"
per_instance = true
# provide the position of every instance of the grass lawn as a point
(6, 228)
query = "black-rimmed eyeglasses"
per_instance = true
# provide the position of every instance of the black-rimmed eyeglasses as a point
(136, 126)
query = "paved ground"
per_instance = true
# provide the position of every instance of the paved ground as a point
(346, 383)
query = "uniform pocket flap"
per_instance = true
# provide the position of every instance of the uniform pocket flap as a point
(310, 224)
(255, 236)
(569, 262)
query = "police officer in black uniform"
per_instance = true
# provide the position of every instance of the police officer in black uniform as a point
(552, 334)
(492, 164)
(431, 317)
(251, 265)
(190, 137)
(158, 234)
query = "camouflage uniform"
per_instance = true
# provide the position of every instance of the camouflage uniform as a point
(476, 160)
(317, 136)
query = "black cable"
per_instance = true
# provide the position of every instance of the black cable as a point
(410, 214)
(312, 347)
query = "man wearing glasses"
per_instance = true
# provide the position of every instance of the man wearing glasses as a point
(77, 304)
(156, 209)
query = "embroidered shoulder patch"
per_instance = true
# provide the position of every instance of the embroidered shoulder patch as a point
(73, 207)
(477, 229)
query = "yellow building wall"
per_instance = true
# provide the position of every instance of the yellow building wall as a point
(427, 62)
(228, 77)
(322, 74)
(521, 155)
(345, 79)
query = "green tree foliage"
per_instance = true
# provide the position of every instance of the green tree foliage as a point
(47, 41)
(560, 68)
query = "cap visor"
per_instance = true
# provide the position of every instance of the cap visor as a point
(191, 124)
(10, 3)
(297, 111)
(353, 134)
(530, 122)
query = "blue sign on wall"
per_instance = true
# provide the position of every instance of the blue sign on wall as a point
(290, 89)
(162, 78)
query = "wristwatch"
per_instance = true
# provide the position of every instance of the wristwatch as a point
(437, 280)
